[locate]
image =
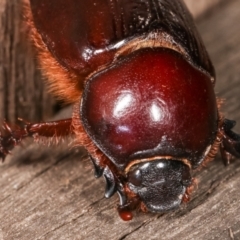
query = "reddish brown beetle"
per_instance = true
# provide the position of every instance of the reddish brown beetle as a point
(142, 84)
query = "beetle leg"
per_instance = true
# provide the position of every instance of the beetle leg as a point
(124, 209)
(98, 170)
(12, 136)
(111, 180)
(103, 167)
(129, 202)
(194, 183)
(111, 183)
(230, 145)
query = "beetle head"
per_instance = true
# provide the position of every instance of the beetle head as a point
(160, 184)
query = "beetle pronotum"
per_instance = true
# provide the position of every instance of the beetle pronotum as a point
(142, 85)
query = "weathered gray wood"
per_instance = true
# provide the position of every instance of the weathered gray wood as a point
(22, 92)
(48, 193)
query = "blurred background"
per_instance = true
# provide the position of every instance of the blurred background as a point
(199, 7)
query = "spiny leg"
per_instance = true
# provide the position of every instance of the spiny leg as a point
(115, 182)
(12, 136)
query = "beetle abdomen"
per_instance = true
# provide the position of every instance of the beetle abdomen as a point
(150, 103)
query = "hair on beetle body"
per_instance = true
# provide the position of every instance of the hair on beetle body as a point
(63, 83)
(142, 85)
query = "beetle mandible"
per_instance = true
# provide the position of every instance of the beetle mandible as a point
(141, 82)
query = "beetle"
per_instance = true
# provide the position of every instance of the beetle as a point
(142, 85)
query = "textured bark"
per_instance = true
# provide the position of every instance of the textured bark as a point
(48, 193)
(22, 92)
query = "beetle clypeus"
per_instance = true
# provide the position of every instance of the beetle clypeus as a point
(142, 86)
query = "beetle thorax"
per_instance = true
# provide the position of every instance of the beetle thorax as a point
(150, 103)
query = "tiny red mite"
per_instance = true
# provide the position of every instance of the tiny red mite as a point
(142, 84)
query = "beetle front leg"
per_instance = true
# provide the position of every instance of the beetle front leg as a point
(12, 136)
(189, 190)
(114, 183)
(230, 145)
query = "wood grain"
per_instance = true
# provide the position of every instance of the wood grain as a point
(22, 91)
(50, 193)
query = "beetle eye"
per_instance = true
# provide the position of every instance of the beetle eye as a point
(135, 177)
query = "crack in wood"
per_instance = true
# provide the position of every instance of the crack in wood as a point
(136, 229)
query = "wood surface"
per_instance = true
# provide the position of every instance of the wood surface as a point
(51, 193)
(22, 91)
